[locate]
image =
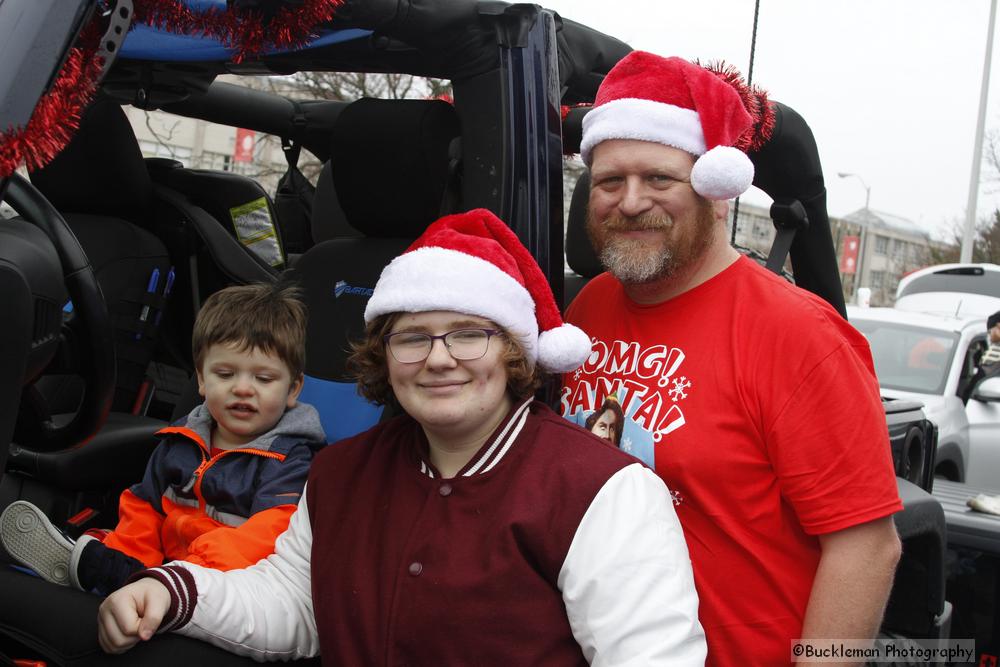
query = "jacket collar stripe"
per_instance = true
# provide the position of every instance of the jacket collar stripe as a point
(502, 442)
(510, 441)
(517, 418)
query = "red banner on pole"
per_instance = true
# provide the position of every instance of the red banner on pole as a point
(849, 254)
(243, 150)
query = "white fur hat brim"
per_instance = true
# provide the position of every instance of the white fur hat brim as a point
(432, 278)
(642, 120)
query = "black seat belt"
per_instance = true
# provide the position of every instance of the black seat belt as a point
(788, 218)
(294, 193)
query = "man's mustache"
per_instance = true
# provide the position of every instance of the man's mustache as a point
(643, 223)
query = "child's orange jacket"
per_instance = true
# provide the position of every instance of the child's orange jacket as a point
(222, 511)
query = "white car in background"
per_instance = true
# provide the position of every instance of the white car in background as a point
(933, 359)
(959, 290)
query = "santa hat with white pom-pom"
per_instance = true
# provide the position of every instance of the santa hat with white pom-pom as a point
(473, 263)
(708, 112)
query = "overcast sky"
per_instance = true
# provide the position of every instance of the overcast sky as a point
(890, 88)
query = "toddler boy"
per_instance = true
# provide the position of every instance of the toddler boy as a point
(224, 481)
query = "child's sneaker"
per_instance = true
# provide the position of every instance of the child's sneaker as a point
(30, 537)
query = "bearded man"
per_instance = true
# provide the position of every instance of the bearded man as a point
(753, 399)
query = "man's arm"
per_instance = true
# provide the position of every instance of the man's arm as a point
(852, 582)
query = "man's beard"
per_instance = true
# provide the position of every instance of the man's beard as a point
(637, 262)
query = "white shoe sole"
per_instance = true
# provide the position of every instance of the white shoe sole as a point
(30, 538)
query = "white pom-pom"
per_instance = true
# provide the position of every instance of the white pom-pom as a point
(722, 173)
(563, 349)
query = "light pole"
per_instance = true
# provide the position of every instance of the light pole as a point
(969, 230)
(864, 231)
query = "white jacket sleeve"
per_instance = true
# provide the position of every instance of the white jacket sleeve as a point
(264, 611)
(627, 581)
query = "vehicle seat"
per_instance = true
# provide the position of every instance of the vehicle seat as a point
(392, 175)
(328, 220)
(239, 204)
(580, 255)
(101, 187)
(399, 149)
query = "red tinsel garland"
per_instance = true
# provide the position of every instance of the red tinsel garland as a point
(243, 31)
(756, 103)
(57, 114)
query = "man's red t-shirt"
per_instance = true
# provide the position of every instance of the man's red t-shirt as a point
(759, 407)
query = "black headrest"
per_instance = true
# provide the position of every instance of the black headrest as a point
(580, 254)
(328, 220)
(101, 171)
(391, 164)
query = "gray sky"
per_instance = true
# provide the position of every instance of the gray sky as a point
(890, 88)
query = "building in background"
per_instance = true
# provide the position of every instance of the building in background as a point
(874, 249)
(890, 247)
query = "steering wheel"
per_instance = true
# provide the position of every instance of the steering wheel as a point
(89, 325)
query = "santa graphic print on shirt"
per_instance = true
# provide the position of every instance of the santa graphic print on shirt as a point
(643, 387)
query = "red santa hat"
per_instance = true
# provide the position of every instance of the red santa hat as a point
(473, 263)
(709, 113)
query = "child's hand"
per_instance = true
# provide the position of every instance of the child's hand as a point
(130, 614)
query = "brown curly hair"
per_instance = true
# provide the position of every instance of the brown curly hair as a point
(270, 317)
(369, 367)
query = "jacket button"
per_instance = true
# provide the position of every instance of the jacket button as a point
(416, 569)
(445, 490)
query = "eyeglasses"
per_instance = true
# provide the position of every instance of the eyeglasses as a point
(409, 347)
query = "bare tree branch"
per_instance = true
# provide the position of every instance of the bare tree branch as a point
(349, 86)
(160, 139)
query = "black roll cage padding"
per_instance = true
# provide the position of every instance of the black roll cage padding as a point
(90, 321)
(787, 168)
(308, 122)
(585, 56)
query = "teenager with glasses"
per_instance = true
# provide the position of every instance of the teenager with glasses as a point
(410, 347)
(478, 528)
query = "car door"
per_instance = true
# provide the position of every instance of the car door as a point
(983, 463)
